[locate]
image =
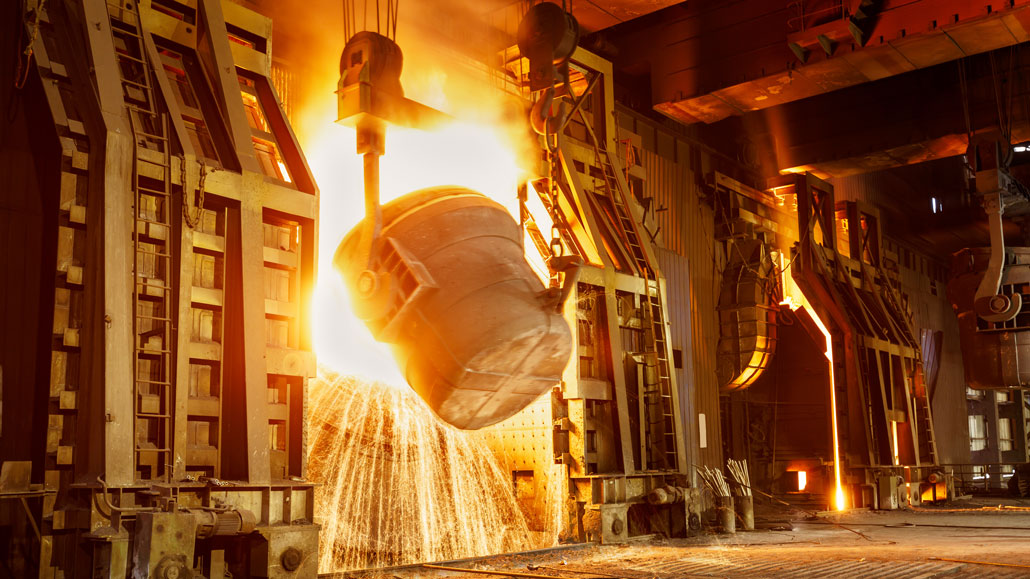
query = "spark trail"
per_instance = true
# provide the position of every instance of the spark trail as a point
(400, 486)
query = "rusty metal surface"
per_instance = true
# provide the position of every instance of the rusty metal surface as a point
(997, 355)
(850, 278)
(714, 60)
(123, 185)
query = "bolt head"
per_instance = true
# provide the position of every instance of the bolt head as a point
(291, 559)
(999, 304)
(367, 283)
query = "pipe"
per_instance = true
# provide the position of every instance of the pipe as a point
(114, 509)
(726, 518)
(667, 495)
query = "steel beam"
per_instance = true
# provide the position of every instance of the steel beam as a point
(711, 60)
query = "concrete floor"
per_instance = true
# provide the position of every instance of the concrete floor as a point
(970, 538)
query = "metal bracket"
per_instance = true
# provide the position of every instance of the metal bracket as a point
(390, 291)
(990, 304)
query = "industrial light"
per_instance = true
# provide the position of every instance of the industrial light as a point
(795, 481)
(1020, 148)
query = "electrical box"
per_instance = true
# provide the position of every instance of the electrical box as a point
(890, 492)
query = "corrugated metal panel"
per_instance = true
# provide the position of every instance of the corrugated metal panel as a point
(676, 269)
(687, 234)
(875, 188)
(671, 185)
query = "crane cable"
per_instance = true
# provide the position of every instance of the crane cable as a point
(386, 27)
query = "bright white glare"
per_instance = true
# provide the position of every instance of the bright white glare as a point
(474, 156)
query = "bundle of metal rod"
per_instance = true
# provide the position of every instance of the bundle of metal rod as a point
(714, 481)
(740, 477)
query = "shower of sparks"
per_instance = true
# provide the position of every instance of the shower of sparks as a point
(398, 485)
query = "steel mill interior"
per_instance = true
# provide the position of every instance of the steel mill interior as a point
(587, 289)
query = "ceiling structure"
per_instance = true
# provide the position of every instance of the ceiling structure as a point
(836, 87)
(714, 59)
(841, 88)
(710, 60)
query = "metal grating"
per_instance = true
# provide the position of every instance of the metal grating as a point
(725, 565)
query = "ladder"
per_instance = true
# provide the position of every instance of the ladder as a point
(658, 386)
(868, 377)
(625, 226)
(152, 246)
(924, 427)
(659, 392)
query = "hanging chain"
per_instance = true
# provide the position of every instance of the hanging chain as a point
(193, 219)
(557, 250)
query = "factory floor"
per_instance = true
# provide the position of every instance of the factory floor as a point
(980, 537)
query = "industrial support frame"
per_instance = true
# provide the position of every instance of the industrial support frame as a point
(185, 220)
(610, 438)
(883, 424)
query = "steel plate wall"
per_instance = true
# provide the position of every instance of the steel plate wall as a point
(932, 310)
(689, 264)
(677, 291)
(923, 279)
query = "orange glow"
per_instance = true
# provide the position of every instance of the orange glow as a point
(414, 159)
(284, 172)
(802, 480)
(795, 298)
(482, 154)
(894, 437)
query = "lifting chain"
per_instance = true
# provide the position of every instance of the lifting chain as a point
(193, 219)
(552, 125)
(557, 250)
(547, 36)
